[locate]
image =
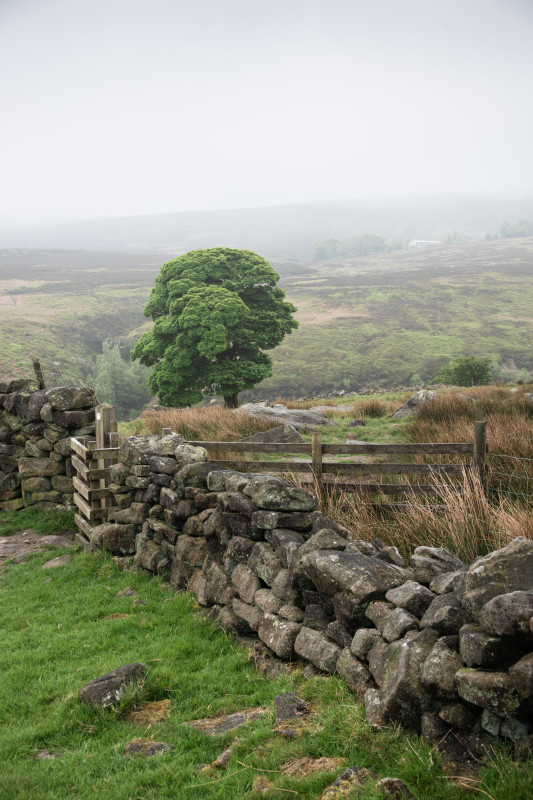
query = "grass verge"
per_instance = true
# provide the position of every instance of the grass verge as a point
(64, 627)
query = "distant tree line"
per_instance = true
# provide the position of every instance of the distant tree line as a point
(119, 382)
(520, 227)
(363, 245)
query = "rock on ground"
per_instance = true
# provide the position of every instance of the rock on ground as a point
(109, 688)
(298, 418)
(412, 406)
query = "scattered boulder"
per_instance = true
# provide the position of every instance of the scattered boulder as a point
(60, 561)
(286, 434)
(109, 688)
(144, 747)
(299, 419)
(289, 706)
(218, 726)
(347, 782)
(393, 788)
(412, 406)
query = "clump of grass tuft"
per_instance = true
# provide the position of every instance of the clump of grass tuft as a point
(372, 408)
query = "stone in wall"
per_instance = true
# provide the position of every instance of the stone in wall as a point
(35, 453)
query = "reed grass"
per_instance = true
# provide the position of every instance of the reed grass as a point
(205, 423)
(465, 522)
(509, 417)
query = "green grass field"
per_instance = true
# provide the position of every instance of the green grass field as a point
(64, 627)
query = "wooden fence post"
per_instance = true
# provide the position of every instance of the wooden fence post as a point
(316, 456)
(480, 453)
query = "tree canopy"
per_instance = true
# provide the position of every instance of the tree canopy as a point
(468, 371)
(215, 311)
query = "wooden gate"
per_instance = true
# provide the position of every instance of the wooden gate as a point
(91, 458)
(354, 477)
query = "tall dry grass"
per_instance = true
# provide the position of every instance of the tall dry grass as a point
(205, 423)
(509, 417)
(305, 405)
(467, 524)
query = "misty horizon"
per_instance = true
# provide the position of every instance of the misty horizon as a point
(119, 109)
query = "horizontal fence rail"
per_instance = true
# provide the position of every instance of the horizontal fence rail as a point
(327, 473)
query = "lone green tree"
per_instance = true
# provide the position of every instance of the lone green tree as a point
(468, 371)
(215, 311)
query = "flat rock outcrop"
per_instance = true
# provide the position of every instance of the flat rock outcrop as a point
(298, 418)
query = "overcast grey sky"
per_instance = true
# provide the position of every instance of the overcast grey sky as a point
(117, 107)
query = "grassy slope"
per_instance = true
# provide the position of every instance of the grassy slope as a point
(60, 305)
(375, 320)
(57, 635)
(282, 231)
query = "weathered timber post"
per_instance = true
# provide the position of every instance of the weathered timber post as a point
(316, 456)
(479, 459)
(38, 373)
(106, 428)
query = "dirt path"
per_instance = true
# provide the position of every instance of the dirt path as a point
(15, 548)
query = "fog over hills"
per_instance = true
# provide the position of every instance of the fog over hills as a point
(285, 231)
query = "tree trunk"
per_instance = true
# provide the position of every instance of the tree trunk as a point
(231, 401)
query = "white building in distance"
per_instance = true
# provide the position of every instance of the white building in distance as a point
(424, 243)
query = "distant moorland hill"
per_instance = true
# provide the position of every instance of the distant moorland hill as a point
(290, 231)
(376, 320)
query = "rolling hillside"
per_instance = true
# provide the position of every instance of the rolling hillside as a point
(364, 322)
(281, 231)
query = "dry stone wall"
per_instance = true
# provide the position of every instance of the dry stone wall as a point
(435, 644)
(35, 453)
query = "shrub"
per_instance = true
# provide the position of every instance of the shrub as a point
(467, 371)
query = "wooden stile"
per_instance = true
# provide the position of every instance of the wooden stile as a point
(91, 460)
